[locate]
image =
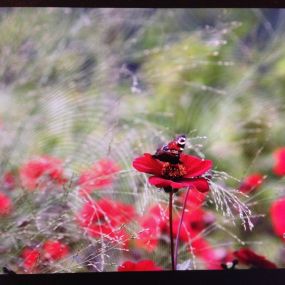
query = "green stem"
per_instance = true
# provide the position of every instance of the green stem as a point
(179, 227)
(173, 266)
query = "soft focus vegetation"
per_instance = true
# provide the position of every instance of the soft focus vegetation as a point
(95, 88)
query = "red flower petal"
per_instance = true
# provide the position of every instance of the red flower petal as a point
(147, 265)
(152, 224)
(100, 175)
(127, 266)
(162, 183)
(249, 257)
(55, 250)
(251, 182)
(32, 172)
(279, 167)
(277, 212)
(199, 184)
(194, 165)
(195, 198)
(5, 204)
(144, 265)
(148, 164)
(30, 259)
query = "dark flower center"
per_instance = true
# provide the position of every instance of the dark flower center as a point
(173, 171)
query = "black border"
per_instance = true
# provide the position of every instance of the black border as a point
(146, 3)
(195, 277)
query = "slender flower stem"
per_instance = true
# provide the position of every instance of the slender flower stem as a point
(179, 228)
(173, 267)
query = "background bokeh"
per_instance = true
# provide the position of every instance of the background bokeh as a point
(84, 85)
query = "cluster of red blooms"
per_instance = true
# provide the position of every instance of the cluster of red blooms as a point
(106, 218)
(43, 171)
(52, 250)
(37, 172)
(244, 257)
(100, 175)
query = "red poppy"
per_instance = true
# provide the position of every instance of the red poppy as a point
(166, 175)
(143, 265)
(5, 204)
(100, 175)
(55, 250)
(30, 259)
(279, 156)
(250, 258)
(105, 218)
(33, 172)
(251, 182)
(277, 212)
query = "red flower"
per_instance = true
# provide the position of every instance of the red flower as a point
(251, 182)
(152, 224)
(194, 199)
(31, 258)
(5, 204)
(55, 250)
(279, 167)
(194, 221)
(221, 259)
(249, 257)
(8, 180)
(204, 250)
(143, 265)
(277, 212)
(33, 172)
(106, 217)
(185, 174)
(100, 175)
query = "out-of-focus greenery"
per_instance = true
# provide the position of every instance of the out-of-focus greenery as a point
(83, 83)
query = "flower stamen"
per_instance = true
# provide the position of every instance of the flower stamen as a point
(173, 171)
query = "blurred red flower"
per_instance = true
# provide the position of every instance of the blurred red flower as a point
(100, 175)
(5, 204)
(250, 258)
(279, 156)
(194, 199)
(202, 249)
(32, 173)
(277, 212)
(251, 182)
(194, 221)
(143, 265)
(153, 224)
(55, 250)
(8, 180)
(30, 259)
(167, 175)
(222, 259)
(106, 217)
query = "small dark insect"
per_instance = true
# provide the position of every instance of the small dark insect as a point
(171, 152)
(8, 271)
